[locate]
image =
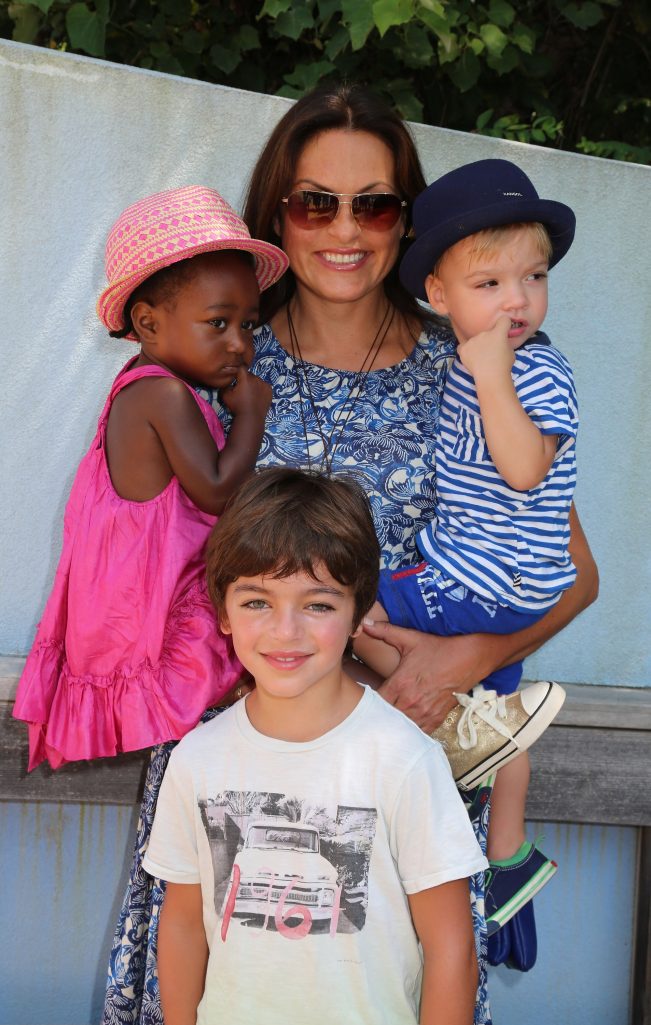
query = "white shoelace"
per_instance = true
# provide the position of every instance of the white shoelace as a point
(485, 705)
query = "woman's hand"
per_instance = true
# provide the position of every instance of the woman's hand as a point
(431, 670)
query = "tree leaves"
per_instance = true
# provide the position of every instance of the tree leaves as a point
(570, 73)
(387, 13)
(87, 28)
(357, 16)
(43, 5)
(494, 38)
(293, 22)
(26, 22)
(464, 72)
(583, 15)
(501, 13)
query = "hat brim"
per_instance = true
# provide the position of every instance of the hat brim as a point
(270, 265)
(423, 254)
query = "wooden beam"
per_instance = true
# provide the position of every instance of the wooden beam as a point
(104, 781)
(583, 769)
(591, 775)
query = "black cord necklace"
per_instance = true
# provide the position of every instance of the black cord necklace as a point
(348, 405)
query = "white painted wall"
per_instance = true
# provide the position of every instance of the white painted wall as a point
(81, 139)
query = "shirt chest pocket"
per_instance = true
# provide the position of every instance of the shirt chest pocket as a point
(469, 444)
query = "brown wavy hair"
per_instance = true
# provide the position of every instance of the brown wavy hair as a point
(328, 107)
(284, 521)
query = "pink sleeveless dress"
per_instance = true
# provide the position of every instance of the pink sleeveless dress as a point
(128, 653)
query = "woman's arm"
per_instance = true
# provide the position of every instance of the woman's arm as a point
(443, 923)
(433, 668)
(182, 953)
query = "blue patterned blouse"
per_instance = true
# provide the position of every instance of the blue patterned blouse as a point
(380, 428)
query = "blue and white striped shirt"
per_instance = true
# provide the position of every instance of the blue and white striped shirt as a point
(504, 544)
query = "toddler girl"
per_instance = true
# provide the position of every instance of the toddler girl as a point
(127, 654)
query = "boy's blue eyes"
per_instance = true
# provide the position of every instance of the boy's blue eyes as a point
(260, 603)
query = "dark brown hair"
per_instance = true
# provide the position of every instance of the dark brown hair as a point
(285, 521)
(328, 107)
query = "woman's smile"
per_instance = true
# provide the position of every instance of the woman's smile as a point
(345, 260)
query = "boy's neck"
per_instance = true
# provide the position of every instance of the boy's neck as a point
(305, 717)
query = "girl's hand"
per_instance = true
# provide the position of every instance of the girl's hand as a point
(247, 395)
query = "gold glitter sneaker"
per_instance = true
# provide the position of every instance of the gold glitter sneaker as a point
(486, 730)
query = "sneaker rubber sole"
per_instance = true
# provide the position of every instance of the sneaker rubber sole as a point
(505, 913)
(505, 749)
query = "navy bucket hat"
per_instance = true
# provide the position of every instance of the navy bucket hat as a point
(484, 194)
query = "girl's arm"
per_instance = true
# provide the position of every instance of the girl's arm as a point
(208, 477)
(443, 923)
(182, 953)
(521, 452)
(156, 430)
(433, 668)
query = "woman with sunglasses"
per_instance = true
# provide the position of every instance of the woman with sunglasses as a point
(357, 369)
(357, 366)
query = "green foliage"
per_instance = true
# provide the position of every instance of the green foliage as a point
(542, 130)
(87, 29)
(567, 73)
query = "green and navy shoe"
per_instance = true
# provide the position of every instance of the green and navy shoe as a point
(510, 884)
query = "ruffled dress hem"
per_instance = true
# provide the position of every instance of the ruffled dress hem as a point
(74, 717)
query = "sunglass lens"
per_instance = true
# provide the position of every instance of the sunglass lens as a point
(377, 211)
(312, 209)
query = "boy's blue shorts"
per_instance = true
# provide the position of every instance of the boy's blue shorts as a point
(423, 598)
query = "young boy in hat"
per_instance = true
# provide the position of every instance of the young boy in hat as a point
(496, 556)
(312, 811)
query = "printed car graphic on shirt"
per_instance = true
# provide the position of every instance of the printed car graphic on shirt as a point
(281, 863)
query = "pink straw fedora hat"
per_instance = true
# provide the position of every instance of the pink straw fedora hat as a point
(170, 226)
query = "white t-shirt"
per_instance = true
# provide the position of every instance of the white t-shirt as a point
(317, 843)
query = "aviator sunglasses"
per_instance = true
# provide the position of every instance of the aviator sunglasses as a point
(378, 211)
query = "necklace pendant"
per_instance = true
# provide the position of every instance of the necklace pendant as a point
(346, 408)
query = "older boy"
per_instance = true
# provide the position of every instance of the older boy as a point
(496, 555)
(313, 811)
